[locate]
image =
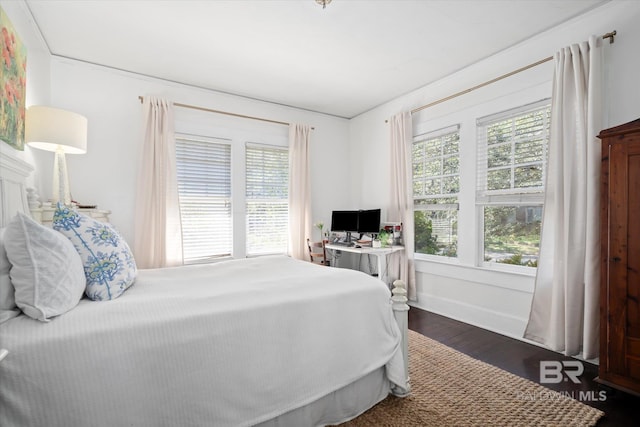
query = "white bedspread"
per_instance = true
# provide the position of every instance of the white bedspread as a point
(229, 344)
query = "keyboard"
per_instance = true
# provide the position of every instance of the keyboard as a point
(347, 244)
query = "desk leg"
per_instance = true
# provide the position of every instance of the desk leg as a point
(333, 259)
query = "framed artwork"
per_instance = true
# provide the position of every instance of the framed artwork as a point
(13, 83)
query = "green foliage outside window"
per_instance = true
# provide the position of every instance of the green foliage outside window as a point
(428, 242)
(512, 234)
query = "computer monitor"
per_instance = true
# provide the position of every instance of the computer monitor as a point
(369, 221)
(344, 221)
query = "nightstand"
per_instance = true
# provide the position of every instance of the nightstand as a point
(44, 215)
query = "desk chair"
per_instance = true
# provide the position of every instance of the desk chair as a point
(317, 252)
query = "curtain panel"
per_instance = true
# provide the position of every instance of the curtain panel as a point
(401, 264)
(299, 191)
(158, 231)
(565, 306)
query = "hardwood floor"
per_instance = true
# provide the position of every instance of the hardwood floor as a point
(522, 359)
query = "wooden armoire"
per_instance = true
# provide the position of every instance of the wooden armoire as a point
(620, 259)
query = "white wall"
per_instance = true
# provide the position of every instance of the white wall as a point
(107, 174)
(496, 300)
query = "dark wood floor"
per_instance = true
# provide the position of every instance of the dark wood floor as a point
(522, 359)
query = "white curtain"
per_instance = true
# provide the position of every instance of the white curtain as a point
(564, 312)
(299, 191)
(158, 231)
(401, 265)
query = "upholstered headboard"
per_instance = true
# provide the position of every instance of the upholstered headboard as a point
(13, 194)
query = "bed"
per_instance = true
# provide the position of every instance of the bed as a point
(261, 341)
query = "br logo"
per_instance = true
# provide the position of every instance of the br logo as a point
(554, 372)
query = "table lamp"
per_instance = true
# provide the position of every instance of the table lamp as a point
(62, 132)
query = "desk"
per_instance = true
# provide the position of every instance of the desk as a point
(380, 254)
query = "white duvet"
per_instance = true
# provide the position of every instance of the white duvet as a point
(229, 344)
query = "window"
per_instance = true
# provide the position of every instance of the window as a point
(267, 199)
(436, 184)
(204, 189)
(512, 159)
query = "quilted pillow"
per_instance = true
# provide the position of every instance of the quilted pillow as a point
(8, 308)
(108, 262)
(46, 271)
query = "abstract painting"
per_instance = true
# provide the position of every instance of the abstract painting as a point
(13, 72)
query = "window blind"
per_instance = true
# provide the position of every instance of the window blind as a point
(267, 198)
(512, 155)
(436, 167)
(204, 188)
(436, 184)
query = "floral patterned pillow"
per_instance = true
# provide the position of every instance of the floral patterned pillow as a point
(108, 262)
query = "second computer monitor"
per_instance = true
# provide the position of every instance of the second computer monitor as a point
(369, 221)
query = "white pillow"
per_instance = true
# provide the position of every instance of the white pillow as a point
(108, 262)
(46, 270)
(8, 308)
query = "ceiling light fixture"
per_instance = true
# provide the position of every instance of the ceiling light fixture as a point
(324, 3)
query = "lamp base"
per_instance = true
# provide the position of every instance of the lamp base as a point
(60, 179)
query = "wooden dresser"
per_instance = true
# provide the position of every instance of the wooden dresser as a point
(620, 259)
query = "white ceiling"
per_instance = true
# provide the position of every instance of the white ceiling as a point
(343, 60)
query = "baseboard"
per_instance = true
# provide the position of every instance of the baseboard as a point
(481, 317)
(491, 320)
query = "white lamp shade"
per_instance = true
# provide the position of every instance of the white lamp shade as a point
(53, 129)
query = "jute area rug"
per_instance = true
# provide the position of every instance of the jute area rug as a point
(449, 388)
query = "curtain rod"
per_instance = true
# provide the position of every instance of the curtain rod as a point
(209, 110)
(610, 36)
